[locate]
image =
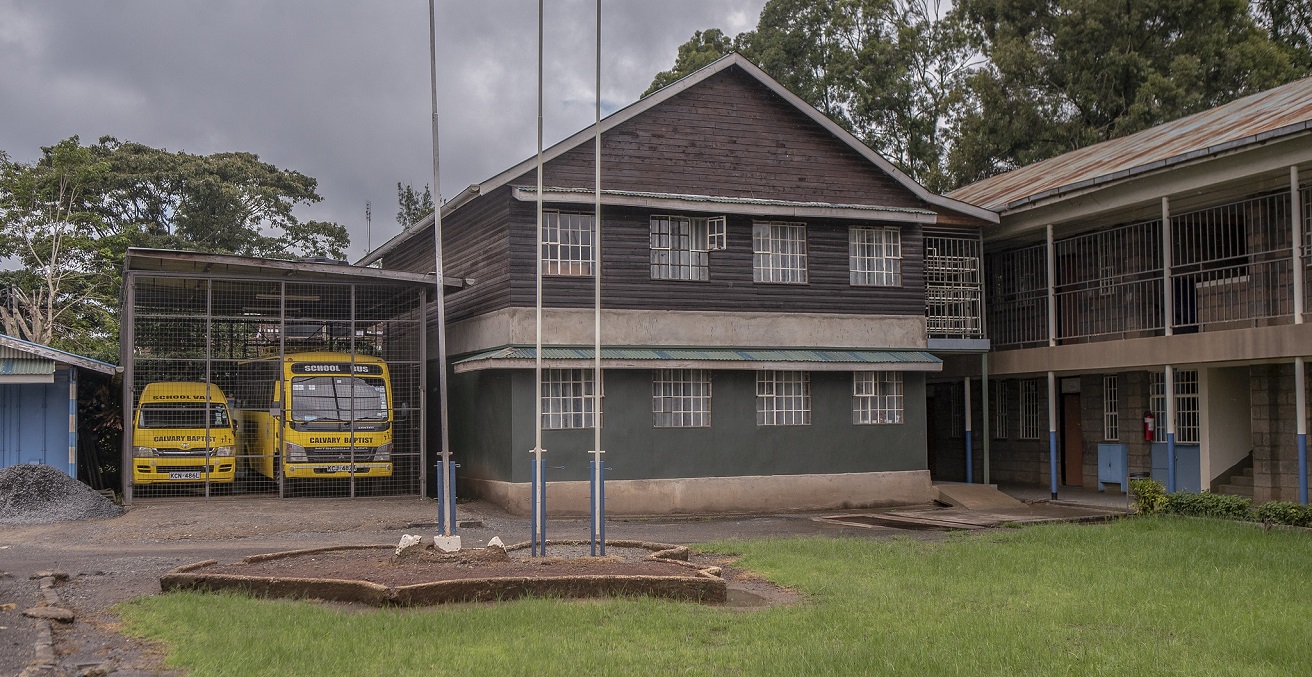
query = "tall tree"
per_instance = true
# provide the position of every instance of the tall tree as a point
(1063, 74)
(412, 206)
(703, 48)
(1289, 23)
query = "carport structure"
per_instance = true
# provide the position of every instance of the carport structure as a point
(315, 369)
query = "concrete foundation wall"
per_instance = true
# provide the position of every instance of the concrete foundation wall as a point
(699, 495)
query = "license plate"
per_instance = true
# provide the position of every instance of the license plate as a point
(188, 475)
(340, 468)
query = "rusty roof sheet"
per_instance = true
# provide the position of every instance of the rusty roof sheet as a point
(1260, 117)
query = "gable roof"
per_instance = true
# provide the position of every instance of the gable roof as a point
(16, 348)
(732, 60)
(1280, 112)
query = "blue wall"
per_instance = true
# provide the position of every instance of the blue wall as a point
(34, 423)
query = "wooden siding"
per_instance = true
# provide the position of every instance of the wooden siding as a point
(475, 247)
(728, 136)
(627, 283)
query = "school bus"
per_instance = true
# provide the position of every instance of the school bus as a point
(182, 432)
(317, 415)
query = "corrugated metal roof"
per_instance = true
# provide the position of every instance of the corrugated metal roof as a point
(18, 348)
(1260, 117)
(798, 355)
(26, 367)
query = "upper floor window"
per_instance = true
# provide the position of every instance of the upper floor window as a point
(875, 256)
(779, 252)
(876, 397)
(567, 239)
(680, 246)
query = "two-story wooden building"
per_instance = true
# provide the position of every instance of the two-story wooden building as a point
(1156, 280)
(765, 284)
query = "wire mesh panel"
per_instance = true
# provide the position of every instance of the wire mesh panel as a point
(1109, 282)
(1018, 290)
(1231, 264)
(275, 387)
(954, 287)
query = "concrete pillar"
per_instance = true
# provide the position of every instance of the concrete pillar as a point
(1168, 299)
(984, 408)
(1300, 417)
(1170, 429)
(1052, 288)
(1052, 431)
(970, 462)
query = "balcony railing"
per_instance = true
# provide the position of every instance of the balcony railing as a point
(954, 289)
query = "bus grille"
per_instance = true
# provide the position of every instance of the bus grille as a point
(321, 454)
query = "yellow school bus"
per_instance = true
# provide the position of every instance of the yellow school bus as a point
(182, 432)
(317, 415)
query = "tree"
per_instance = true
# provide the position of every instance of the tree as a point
(411, 206)
(1064, 74)
(1289, 23)
(704, 47)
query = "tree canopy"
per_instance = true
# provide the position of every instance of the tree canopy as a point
(412, 206)
(69, 217)
(952, 96)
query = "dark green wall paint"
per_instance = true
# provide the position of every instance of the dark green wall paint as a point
(492, 431)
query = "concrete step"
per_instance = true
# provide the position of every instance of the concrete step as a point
(1234, 490)
(1242, 480)
(975, 497)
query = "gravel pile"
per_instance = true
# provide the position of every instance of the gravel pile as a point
(39, 494)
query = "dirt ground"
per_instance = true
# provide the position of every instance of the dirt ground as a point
(112, 560)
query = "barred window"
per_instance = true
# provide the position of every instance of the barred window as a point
(783, 398)
(779, 252)
(1030, 419)
(1111, 411)
(567, 239)
(957, 414)
(681, 398)
(1186, 404)
(568, 399)
(1000, 410)
(875, 256)
(680, 246)
(876, 397)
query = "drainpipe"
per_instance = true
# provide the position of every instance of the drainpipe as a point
(1300, 370)
(970, 462)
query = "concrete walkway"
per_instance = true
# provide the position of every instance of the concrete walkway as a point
(1111, 499)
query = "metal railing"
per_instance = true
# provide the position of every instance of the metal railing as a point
(954, 287)
(1018, 296)
(1109, 282)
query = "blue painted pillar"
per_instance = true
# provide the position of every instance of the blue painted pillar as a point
(1169, 394)
(1052, 432)
(1300, 416)
(970, 461)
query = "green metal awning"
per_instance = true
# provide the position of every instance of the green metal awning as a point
(821, 359)
(23, 370)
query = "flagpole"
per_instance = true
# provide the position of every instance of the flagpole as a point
(446, 490)
(598, 508)
(539, 486)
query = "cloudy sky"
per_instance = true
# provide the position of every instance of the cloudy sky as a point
(337, 89)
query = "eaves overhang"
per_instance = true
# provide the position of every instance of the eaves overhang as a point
(727, 205)
(731, 358)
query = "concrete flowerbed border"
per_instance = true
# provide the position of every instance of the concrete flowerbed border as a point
(702, 584)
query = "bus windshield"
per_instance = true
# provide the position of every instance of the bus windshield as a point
(182, 416)
(338, 398)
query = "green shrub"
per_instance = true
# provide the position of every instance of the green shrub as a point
(1284, 512)
(1209, 505)
(1149, 496)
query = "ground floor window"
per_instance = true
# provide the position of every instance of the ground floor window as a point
(568, 399)
(1186, 404)
(681, 398)
(876, 397)
(1030, 420)
(783, 398)
(1000, 410)
(1111, 411)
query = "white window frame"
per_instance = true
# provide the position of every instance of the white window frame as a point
(681, 245)
(1000, 421)
(874, 256)
(1031, 422)
(681, 398)
(779, 252)
(567, 243)
(1111, 410)
(783, 398)
(568, 399)
(877, 397)
(1187, 423)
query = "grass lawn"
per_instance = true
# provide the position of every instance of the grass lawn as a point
(1143, 596)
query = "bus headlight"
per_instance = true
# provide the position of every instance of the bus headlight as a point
(223, 451)
(295, 453)
(144, 451)
(384, 452)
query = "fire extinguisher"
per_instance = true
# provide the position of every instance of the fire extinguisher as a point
(1149, 426)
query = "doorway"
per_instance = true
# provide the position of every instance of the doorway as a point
(1072, 442)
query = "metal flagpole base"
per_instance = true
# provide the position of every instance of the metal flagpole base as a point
(597, 502)
(447, 541)
(538, 506)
